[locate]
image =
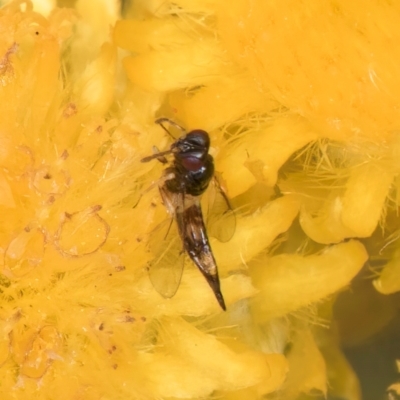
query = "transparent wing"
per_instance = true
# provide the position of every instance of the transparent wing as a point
(221, 219)
(165, 269)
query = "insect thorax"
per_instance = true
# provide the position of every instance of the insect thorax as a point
(191, 182)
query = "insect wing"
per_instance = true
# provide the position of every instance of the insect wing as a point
(165, 269)
(221, 219)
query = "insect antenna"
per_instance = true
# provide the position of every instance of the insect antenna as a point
(159, 156)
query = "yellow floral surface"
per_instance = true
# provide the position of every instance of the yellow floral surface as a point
(301, 101)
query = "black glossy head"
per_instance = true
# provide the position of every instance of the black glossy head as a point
(195, 144)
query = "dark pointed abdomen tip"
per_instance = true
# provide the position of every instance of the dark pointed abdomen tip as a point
(221, 302)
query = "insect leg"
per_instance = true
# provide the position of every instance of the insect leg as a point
(160, 121)
(158, 183)
(222, 191)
